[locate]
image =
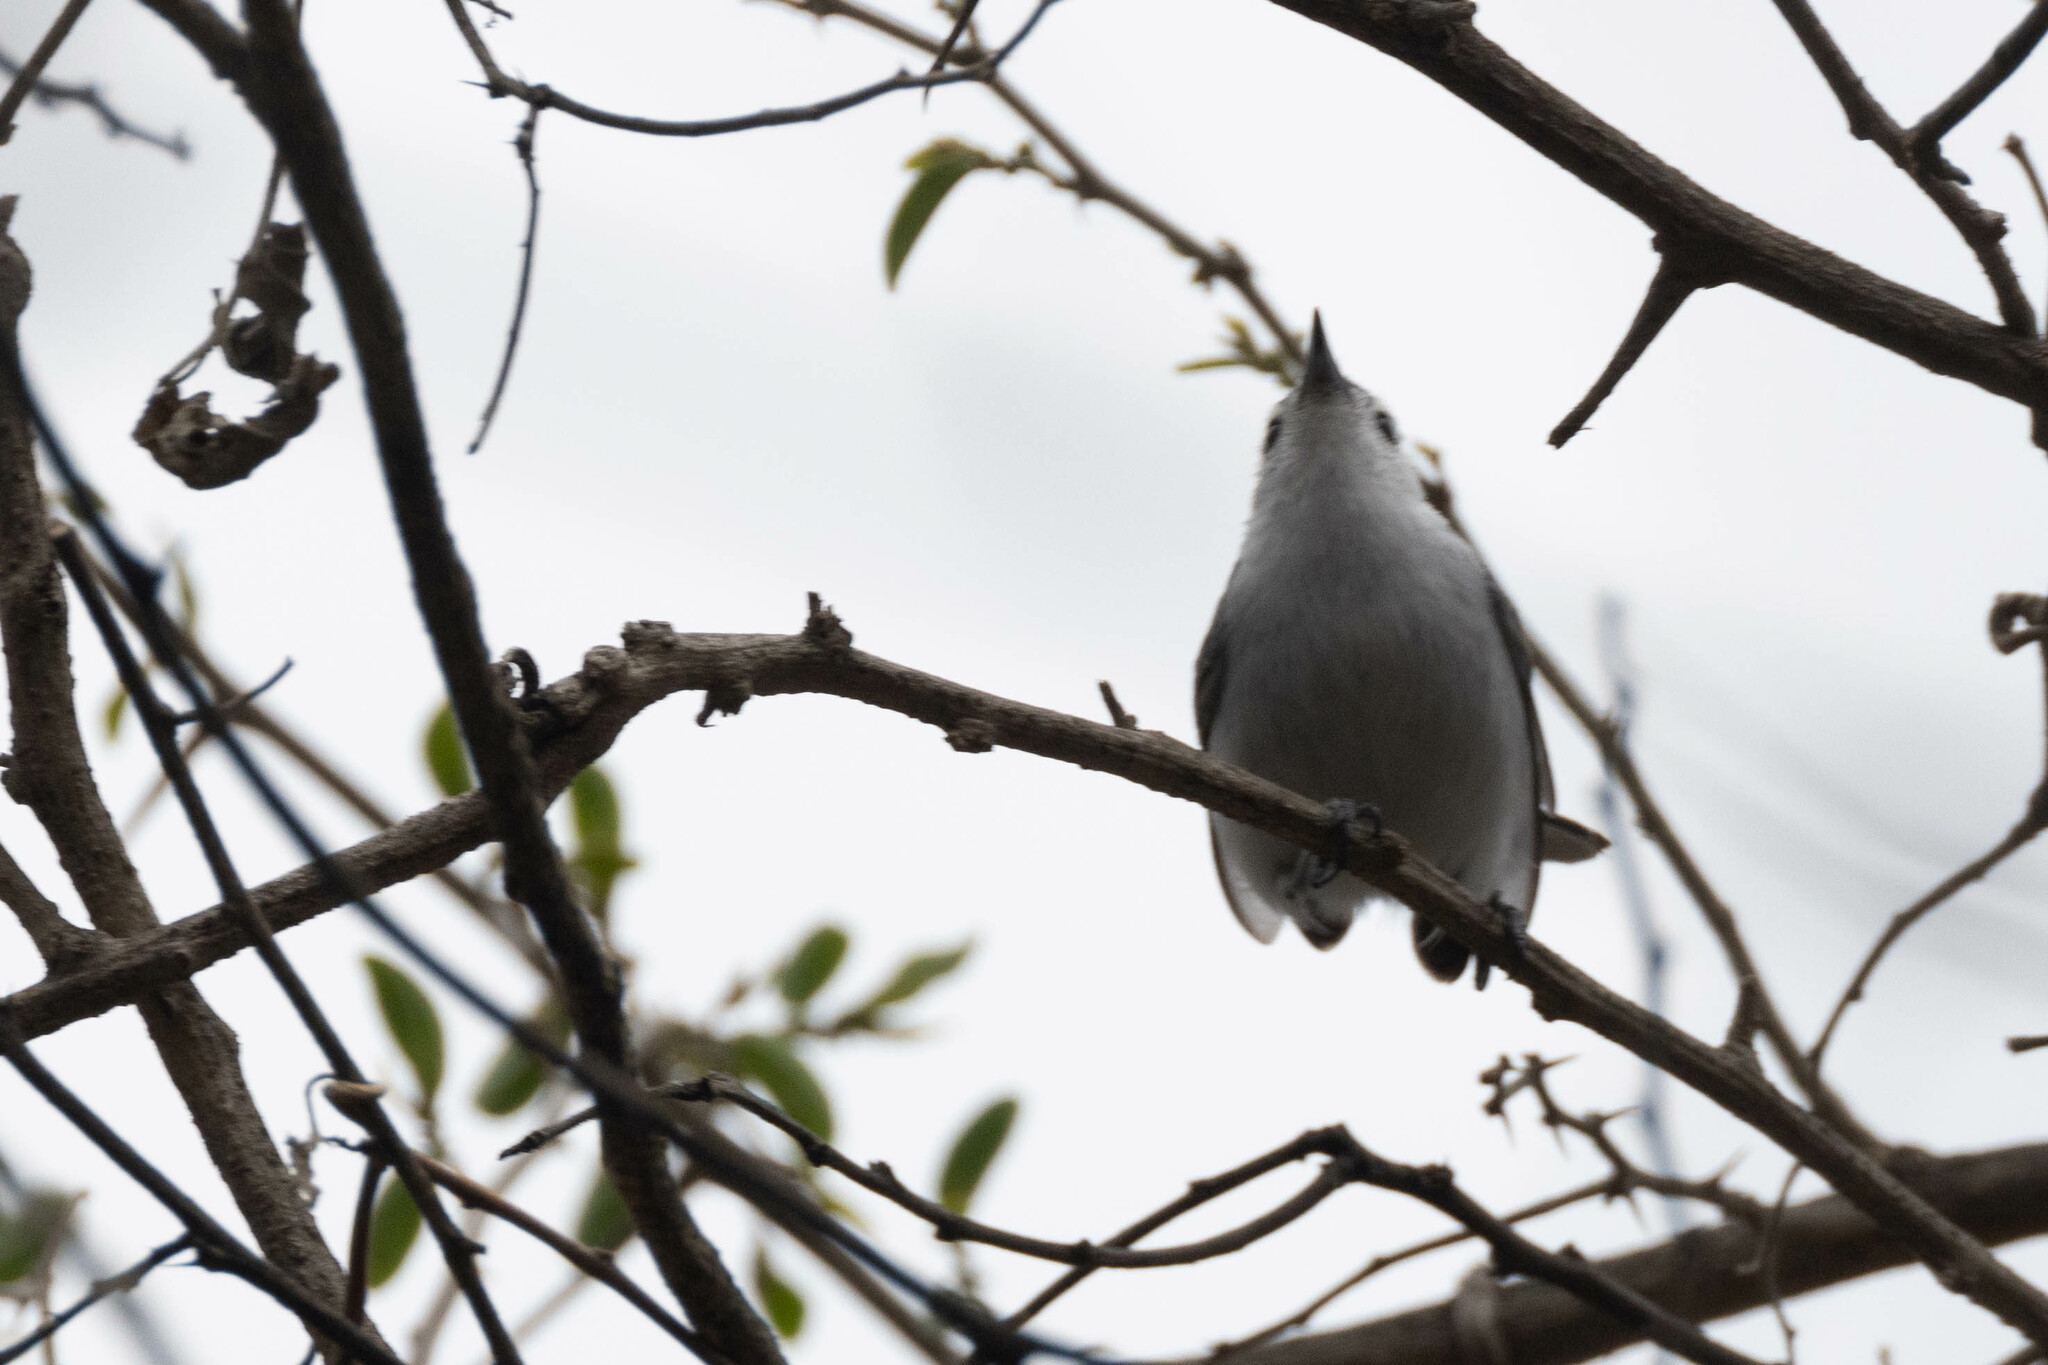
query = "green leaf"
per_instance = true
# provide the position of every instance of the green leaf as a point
(447, 760)
(939, 168)
(394, 1224)
(115, 711)
(595, 804)
(414, 1025)
(973, 1151)
(517, 1074)
(812, 964)
(25, 1235)
(779, 1300)
(913, 976)
(599, 859)
(788, 1081)
(605, 1222)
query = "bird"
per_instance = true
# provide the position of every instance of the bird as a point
(1363, 655)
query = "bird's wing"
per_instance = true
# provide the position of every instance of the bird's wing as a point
(1559, 839)
(1517, 646)
(1210, 667)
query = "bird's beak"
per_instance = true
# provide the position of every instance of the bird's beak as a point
(1321, 367)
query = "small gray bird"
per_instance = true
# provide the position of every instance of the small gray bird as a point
(1363, 654)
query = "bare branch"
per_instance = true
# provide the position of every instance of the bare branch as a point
(31, 70)
(596, 1264)
(161, 726)
(523, 145)
(50, 93)
(1922, 161)
(101, 1289)
(1438, 39)
(545, 97)
(1702, 1275)
(216, 1246)
(1925, 136)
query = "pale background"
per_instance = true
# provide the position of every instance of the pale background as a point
(995, 474)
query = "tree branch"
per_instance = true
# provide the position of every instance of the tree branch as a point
(31, 70)
(1703, 1274)
(1438, 39)
(49, 772)
(1924, 137)
(216, 1246)
(48, 93)
(1980, 229)
(161, 727)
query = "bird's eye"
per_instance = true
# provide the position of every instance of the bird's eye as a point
(1272, 434)
(1386, 425)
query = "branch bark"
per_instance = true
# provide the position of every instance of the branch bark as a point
(1701, 1275)
(1438, 39)
(48, 772)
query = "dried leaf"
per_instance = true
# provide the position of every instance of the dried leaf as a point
(188, 438)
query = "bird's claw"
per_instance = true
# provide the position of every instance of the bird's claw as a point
(1516, 922)
(1344, 812)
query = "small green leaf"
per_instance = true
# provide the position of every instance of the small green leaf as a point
(606, 1222)
(394, 1224)
(939, 168)
(413, 1023)
(447, 760)
(788, 1081)
(599, 859)
(595, 805)
(25, 1235)
(188, 593)
(913, 976)
(779, 1300)
(517, 1074)
(115, 711)
(812, 964)
(973, 1151)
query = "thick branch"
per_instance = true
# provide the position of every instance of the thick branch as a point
(1437, 38)
(285, 94)
(49, 772)
(617, 683)
(1704, 1274)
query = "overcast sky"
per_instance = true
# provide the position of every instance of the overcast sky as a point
(995, 473)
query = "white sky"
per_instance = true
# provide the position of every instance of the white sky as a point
(995, 474)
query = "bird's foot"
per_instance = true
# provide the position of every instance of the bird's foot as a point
(1344, 813)
(1516, 922)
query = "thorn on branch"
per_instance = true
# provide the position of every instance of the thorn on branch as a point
(1122, 719)
(824, 629)
(1673, 283)
(2026, 1042)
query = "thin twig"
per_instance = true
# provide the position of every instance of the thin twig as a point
(1980, 229)
(374, 1167)
(596, 1264)
(101, 1289)
(217, 1247)
(2013, 49)
(2018, 149)
(32, 70)
(1086, 181)
(160, 725)
(1303, 1316)
(523, 145)
(2017, 838)
(546, 97)
(50, 93)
